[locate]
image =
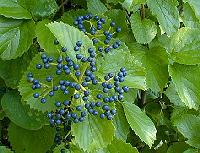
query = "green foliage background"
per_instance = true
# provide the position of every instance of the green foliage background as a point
(160, 49)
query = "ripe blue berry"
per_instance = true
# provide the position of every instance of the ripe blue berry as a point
(78, 108)
(95, 112)
(92, 104)
(36, 95)
(102, 20)
(84, 84)
(39, 66)
(87, 105)
(59, 60)
(49, 78)
(105, 90)
(106, 107)
(76, 66)
(113, 111)
(74, 115)
(58, 104)
(112, 24)
(76, 48)
(58, 122)
(76, 96)
(95, 40)
(96, 18)
(79, 43)
(106, 77)
(78, 73)
(63, 49)
(83, 114)
(109, 117)
(120, 97)
(51, 93)
(102, 116)
(99, 96)
(78, 56)
(66, 102)
(43, 100)
(106, 41)
(99, 104)
(84, 59)
(106, 99)
(77, 87)
(68, 116)
(125, 88)
(62, 111)
(56, 42)
(94, 82)
(100, 49)
(67, 71)
(118, 29)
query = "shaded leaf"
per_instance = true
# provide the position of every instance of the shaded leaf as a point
(96, 7)
(3, 149)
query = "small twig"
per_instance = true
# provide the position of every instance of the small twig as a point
(142, 11)
(62, 6)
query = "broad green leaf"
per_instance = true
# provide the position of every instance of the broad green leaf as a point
(15, 37)
(189, 18)
(130, 5)
(166, 13)
(187, 83)
(26, 141)
(173, 96)
(68, 36)
(188, 125)
(195, 6)
(21, 114)
(185, 46)
(12, 77)
(140, 123)
(4, 149)
(96, 7)
(25, 87)
(115, 1)
(93, 133)
(11, 8)
(177, 147)
(73, 149)
(45, 37)
(40, 8)
(118, 146)
(156, 62)
(114, 60)
(121, 124)
(191, 150)
(144, 30)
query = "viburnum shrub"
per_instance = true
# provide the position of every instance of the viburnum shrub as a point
(109, 76)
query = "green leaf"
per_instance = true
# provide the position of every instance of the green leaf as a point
(115, 1)
(191, 150)
(156, 62)
(118, 146)
(121, 124)
(16, 37)
(118, 58)
(130, 4)
(173, 96)
(140, 123)
(12, 77)
(3, 149)
(166, 13)
(10, 8)
(40, 8)
(26, 141)
(45, 37)
(185, 46)
(21, 114)
(68, 36)
(188, 125)
(195, 6)
(187, 84)
(96, 7)
(177, 147)
(93, 133)
(25, 87)
(144, 30)
(189, 18)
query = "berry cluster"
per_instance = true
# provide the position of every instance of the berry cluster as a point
(96, 28)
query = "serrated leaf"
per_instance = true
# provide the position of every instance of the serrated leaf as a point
(16, 37)
(21, 114)
(12, 77)
(121, 124)
(3, 149)
(68, 36)
(191, 150)
(188, 125)
(118, 146)
(96, 7)
(11, 8)
(73, 149)
(118, 58)
(30, 141)
(25, 87)
(140, 123)
(93, 133)
(185, 46)
(130, 4)
(189, 18)
(195, 6)
(166, 13)
(156, 62)
(144, 30)
(187, 84)
(173, 96)
(177, 147)
(40, 8)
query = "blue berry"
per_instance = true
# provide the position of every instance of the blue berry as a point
(107, 49)
(36, 95)
(67, 59)
(50, 59)
(87, 79)
(78, 108)
(76, 66)
(96, 18)
(75, 22)
(94, 82)
(121, 79)
(116, 78)
(113, 111)
(65, 92)
(109, 117)
(115, 46)
(78, 73)
(98, 104)
(116, 83)
(58, 72)
(76, 48)
(58, 122)
(72, 84)
(56, 42)
(99, 23)
(84, 59)
(106, 77)
(102, 116)
(106, 107)
(49, 78)
(125, 88)
(109, 86)
(85, 98)
(66, 102)
(51, 121)
(92, 104)
(87, 105)
(112, 24)
(88, 73)
(106, 41)
(79, 43)
(63, 49)
(111, 99)
(120, 97)
(58, 104)
(104, 84)
(90, 110)
(80, 26)
(62, 111)
(81, 119)
(100, 49)
(59, 60)
(93, 68)
(74, 115)
(35, 81)
(105, 90)
(76, 96)
(95, 112)
(55, 88)
(39, 66)
(90, 50)
(106, 99)
(86, 93)
(78, 56)
(68, 116)
(46, 65)
(99, 96)
(67, 71)
(43, 100)
(51, 93)
(84, 84)
(83, 114)
(95, 40)
(49, 115)
(102, 20)
(118, 29)
(77, 87)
